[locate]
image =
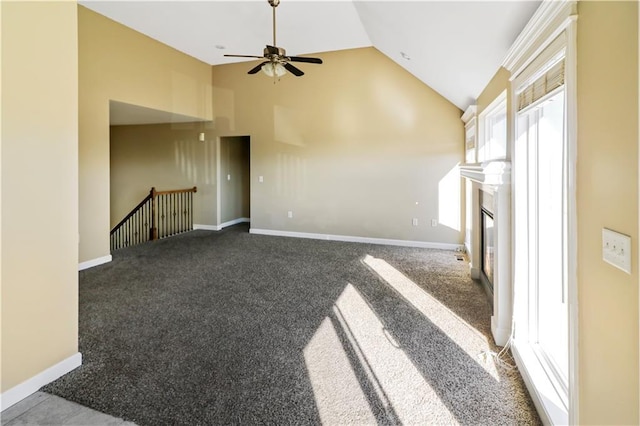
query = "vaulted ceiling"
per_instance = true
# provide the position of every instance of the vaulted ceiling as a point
(455, 47)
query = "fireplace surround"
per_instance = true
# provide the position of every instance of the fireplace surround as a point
(490, 191)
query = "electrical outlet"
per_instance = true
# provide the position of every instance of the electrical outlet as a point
(616, 249)
(414, 222)
(434, 222)
(290, 214)
(260, 179)
(228, 177)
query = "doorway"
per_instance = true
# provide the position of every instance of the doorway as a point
(234, 175)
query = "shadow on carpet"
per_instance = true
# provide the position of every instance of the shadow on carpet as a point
(229, 327)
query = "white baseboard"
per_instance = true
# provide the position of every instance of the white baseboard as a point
(500, 334)
(351, 239)
(475, 272)
(235, 222)
(206, 227)
(94, 262)
(222, 225)
(30, 386)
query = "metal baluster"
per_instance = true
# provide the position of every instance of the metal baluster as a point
(175, 222)
(146, 221)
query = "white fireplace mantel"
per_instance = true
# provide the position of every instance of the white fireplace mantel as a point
(493, 177)
(488, 173)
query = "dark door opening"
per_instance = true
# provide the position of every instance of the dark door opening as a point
(235, 180)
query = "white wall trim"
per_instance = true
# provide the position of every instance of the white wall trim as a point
(235, 222)
(571, 97)
(543, 394)
(469, 113)
(29, 386)
(94, 262)
(222, 225)
(352, 239)
(544, 23)
(500, 333)
(206, 227)
(474, 271)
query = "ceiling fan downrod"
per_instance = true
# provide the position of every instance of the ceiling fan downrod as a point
(274, 4)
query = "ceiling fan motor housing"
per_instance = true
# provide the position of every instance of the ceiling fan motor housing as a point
(274, 52)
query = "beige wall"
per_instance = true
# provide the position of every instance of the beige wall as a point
(607, 197)
(234, 178)
(164, 156)
(498, 84)
(355, 147)
(39, 229)
(117, 63)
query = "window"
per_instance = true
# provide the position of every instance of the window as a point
(469, 118)
(543, 151)
(548, 332)
(493, 130)
(470, 141)
(541, 222)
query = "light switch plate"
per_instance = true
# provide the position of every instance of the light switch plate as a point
(616, 249)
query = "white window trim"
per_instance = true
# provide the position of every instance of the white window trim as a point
(469, 119)
(498, 105)
(552, 19)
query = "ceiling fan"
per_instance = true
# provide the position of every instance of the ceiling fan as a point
(277, 62)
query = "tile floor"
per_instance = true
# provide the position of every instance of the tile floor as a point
(44, 409)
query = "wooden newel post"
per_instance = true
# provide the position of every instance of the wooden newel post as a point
(153, 232)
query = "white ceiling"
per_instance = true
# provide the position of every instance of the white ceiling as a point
(455, 47)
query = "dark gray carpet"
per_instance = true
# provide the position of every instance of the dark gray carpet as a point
(229, 328)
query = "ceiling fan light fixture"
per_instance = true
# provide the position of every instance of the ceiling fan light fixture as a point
(277, 62)
(274, 69)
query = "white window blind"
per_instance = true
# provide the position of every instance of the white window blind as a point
(542, 86)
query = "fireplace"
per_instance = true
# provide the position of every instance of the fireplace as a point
(489, 238)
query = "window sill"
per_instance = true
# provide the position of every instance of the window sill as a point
(548, 402)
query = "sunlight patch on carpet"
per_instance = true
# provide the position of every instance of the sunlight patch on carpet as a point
(336, 389)
(400, 389)
(464, 335)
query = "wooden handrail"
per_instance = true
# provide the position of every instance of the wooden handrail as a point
(156, 210)
(132, 212)
(175, 191)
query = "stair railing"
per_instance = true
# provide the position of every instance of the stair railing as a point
(160, 214)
